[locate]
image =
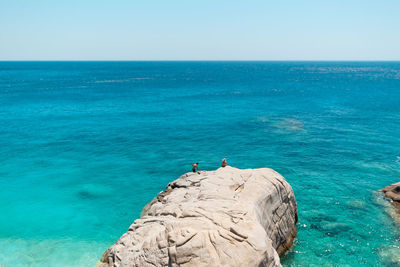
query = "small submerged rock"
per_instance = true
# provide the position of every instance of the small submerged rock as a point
(390, 255)
(356, 204)
(93, 191)
(290, 125)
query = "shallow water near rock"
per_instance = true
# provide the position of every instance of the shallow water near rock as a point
(86, 145)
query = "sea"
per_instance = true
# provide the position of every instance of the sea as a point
(85, 145)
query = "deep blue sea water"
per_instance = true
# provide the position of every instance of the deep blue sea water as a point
(85, 145)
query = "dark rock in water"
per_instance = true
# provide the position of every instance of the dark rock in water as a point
(84, 194)
(393, 192)
(330, 229)
(93, 191)
(319, 217)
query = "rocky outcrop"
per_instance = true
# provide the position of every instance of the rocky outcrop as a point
(228, 217)
(393, 192)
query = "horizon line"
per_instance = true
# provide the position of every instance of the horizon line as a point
(200, 60)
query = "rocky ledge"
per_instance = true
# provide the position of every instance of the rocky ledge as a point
(227, 217)
(393, 192)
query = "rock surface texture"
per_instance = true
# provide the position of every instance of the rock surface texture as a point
(393, 192)
(228, 217)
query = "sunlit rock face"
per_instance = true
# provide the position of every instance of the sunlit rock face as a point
(227, 217)
(393, 193)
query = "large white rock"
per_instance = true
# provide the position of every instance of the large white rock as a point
(228, 217)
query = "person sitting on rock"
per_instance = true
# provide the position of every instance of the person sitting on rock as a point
(195, 166)
(224, 163)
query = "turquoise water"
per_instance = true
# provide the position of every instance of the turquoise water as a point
(85, 145)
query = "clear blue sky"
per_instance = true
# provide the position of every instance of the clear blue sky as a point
(200, 30)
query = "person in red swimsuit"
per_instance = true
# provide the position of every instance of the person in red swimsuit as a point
(224, 163)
